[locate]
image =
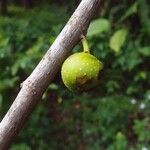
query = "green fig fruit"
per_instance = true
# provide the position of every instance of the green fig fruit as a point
(80, 70)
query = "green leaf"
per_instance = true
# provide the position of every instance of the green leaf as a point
(21, 146)
(143, 13)
(117, 40)
(121, 141)
(4, 42)
(98, 26)
(8, 83)
(140, 75)
(132, 10)
(145, 51)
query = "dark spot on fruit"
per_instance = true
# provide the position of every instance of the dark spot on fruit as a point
(83, 82)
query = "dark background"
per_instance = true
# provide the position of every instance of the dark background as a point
(115, 115)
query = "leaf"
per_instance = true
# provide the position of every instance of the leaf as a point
(132, 10)
(15, 68)
(145, 51)
(20, 146)
(143, 13)
(140, 75)
(8, 83)
(117, 40)
(98, 26)
(112, 86)
(4, 42)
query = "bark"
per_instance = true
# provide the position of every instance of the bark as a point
(35, 85)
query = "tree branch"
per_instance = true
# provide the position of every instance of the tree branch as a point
(35, 85)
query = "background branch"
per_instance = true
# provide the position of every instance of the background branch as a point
(35, 85)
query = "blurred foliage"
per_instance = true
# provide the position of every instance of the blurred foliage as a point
(115, 114)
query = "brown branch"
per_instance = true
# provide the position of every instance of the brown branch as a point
(35, 85)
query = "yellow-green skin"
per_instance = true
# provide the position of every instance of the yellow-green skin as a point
(80, 69)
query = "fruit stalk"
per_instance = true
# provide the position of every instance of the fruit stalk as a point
(85, 44)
